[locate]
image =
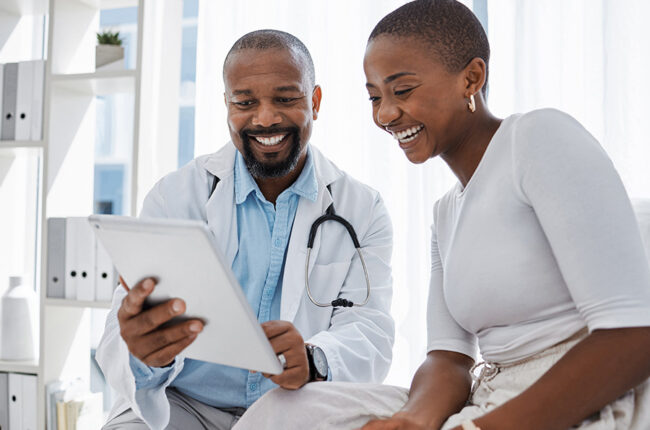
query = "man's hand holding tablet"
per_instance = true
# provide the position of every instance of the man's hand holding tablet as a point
(142, 330)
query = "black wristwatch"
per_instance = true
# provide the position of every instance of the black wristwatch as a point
(318, 368)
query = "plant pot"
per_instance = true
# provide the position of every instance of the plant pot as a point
(109, 57)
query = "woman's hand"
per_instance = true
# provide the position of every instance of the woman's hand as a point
(399, 421)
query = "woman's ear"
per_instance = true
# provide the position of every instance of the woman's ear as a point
(475, 74)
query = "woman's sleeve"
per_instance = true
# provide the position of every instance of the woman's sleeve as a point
(582, 206)
(443, 332)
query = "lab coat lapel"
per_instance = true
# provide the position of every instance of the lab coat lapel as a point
(221, 211)
(293, 283)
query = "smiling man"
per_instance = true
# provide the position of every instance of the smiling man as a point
(260, 196)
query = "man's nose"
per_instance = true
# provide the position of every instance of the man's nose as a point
(266, 115)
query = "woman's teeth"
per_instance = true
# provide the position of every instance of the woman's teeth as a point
(268, 141)
(408, 135)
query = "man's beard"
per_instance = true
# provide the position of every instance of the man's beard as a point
(266, 168)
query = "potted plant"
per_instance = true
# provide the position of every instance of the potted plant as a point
(109, 52)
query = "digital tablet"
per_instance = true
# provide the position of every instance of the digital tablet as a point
(182, 256)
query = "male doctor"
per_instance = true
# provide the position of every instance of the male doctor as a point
(259, 196)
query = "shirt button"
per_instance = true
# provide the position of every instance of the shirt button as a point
(252, 387)
(278, 243)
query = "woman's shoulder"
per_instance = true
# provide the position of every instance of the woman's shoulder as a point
(545, 121)
(546, 131)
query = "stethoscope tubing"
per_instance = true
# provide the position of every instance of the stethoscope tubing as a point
(324, 305)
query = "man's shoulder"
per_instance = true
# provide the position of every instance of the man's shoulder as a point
(219, 163)
(329, 173)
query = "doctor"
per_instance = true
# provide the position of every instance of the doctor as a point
(259, 196)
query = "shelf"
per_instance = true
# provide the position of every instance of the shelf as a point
(19, 366)
(97, 83)
(21, 144)
(77, 303)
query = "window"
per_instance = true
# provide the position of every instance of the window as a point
(188, 82)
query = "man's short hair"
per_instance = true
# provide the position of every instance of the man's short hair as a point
(273, 39)
(448, 27)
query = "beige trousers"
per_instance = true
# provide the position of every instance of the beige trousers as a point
(496, 385)
(339, 405)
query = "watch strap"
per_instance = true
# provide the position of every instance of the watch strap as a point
(313, 374)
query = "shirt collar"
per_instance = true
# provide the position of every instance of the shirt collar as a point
(305, 186)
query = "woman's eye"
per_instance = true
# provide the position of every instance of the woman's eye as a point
(373, 98)
(402, 92)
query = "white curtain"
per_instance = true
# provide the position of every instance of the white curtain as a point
(159, 96)
(585, 57)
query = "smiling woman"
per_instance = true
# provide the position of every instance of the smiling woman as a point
(504, 276)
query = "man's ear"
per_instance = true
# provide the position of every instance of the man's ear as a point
(225, 100)
(315, 101)
(475, 74)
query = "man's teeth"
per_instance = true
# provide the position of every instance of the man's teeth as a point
(270, 140)
(407, 135)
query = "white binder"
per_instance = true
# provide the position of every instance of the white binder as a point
(28, 383)
(15, 402)
(24, 100)
(4, 401)
(56, 257)
(38, 85)
(9, 90)
(106, 277)
(79, 260)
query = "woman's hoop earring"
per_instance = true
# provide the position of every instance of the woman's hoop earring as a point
(472, 104)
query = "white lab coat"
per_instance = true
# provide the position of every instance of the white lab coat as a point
(357, 341)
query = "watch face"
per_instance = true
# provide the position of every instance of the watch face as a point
(320, 361)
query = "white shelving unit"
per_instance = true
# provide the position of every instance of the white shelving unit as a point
(66, 157)
(21, 39)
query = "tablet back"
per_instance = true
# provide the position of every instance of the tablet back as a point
(181, 255)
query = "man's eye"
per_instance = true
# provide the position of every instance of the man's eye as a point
(373, 98)
(243, 103)
(402, 92)
(286, 99)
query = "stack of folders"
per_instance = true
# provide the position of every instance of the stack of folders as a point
(21, 100)
(17, 401)
(78, 266)
(71, 407)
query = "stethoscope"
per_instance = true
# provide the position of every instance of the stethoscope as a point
(330, 215)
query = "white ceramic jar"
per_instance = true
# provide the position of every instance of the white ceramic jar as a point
(18, 322)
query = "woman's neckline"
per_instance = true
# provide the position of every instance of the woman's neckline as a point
(460, 190)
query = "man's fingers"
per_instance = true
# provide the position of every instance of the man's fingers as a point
(160, 339)
(286, 342)
(296, 357)
(276, 328)
(166, 355)
(132, 303)
(153, 318)
(292, 379)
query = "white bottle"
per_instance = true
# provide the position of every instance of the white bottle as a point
(18, 322)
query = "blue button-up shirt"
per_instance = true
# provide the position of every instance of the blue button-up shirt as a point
(263, 231)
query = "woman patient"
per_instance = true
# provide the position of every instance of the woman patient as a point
(537, 260)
